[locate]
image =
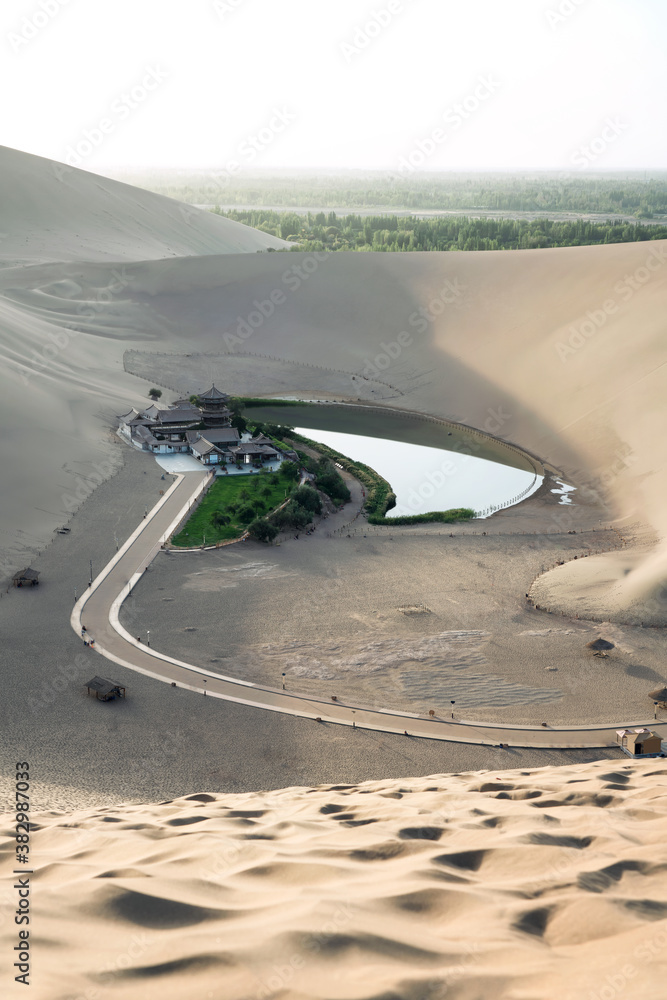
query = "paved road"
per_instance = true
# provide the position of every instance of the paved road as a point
(98, 610)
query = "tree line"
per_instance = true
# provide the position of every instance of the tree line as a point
(390, 233)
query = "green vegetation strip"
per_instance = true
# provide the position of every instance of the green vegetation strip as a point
(315, 232)
(232, 502)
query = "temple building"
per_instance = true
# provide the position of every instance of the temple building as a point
(214, 409)
(202, 430)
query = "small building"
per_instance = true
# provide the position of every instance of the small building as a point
(105, 690)
(639, 742)
(255, 453)
(26, 578)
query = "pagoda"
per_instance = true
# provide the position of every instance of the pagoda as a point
(214, 409)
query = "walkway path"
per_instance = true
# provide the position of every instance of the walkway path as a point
(98, 609)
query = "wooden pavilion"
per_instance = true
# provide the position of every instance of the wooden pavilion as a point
(26, 578)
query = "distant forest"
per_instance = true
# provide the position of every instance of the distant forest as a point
(327, 231)
(639, 195)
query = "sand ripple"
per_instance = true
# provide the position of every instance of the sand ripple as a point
(538, 883)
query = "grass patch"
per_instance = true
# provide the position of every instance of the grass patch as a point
(235, 497)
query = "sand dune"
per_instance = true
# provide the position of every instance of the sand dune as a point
(542, 883)
(51, 211)
(560, 351)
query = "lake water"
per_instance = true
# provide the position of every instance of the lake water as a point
(426, 479)
(430, 463)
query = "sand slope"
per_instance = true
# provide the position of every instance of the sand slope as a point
(561, 351)
(542, 883)
(51, 211)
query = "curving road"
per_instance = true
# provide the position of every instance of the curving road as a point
(99, 607)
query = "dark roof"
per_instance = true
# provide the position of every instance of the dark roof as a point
(600, 644)
(103, 686)
(181, 416)
(217, 434)
(27, 574)
(254, 449)
(213, 393)
(202, 447)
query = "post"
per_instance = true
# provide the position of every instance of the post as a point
(283, 682)
(91, 573)
(453, 703)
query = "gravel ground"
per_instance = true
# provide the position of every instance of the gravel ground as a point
(162, 743)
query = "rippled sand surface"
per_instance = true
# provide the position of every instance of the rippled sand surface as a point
(515, 884)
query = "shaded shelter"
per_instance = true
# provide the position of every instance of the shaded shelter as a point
(600, 645)
(104, 689)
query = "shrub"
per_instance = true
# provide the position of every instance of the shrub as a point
(246, 514)
(330, 481)
(155, 393)
(290, 470)
(443, 516)
(262, 530)
(293, 516)
(307, 497)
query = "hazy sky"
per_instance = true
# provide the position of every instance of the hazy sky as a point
(572, 85)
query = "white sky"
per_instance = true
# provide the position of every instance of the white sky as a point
(230, 63)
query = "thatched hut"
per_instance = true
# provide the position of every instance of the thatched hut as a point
(659, 695)
(600, 645)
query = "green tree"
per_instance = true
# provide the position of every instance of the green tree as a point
(290, 470)
(307, 497)
(246, 514)
(262, 530)
(155, 393)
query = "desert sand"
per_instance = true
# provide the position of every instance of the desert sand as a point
(515, 884)
(536, 883)
(559, 351)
